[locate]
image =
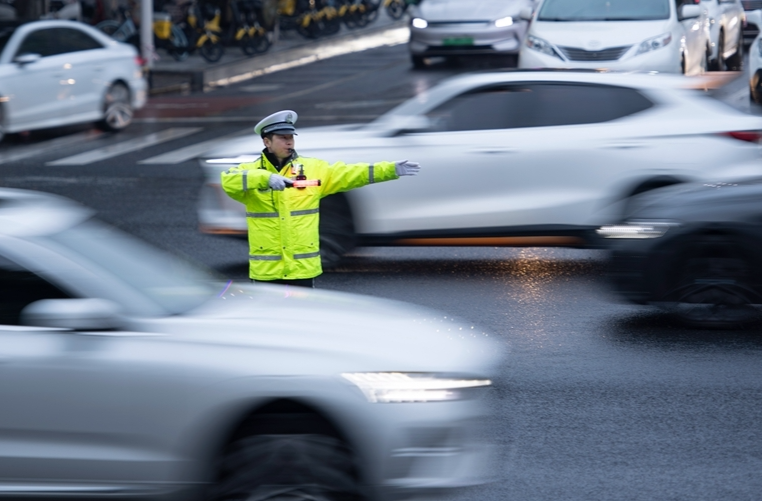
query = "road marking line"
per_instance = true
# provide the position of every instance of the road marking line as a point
(126, 146)
(40, 148)
(182, 154)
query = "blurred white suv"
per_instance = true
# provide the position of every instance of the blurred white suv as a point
(646, 35)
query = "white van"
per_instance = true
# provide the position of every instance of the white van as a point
(644, 35)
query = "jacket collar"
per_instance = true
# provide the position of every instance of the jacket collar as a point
(269, 158)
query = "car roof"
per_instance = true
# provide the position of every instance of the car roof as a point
(33, 213)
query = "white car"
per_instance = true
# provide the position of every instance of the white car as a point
(724, 20)
(510, 158)
(644, 35)
(755, 59)
(55, 73)
(459, 28)
(127, 373)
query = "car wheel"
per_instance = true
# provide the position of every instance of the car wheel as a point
(719, 64)
(117, 108)
(418, 62)
(755, 91)
(287, 468)
(712, 286)
(337, 230)
(735, 62)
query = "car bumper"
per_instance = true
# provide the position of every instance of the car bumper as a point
(463, 39)
(139, 93)
(218, 214)
(662, 60)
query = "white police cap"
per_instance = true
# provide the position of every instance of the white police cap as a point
(281, 122)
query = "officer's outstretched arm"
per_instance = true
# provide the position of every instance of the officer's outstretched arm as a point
(239, 181)
(343, 177)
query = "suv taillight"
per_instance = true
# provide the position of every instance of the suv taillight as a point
(750, 136)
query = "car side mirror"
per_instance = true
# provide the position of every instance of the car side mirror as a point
(407, 124)
(75, 314)
(754, 17)
(525, 14)
(25, 59)
(689, 11)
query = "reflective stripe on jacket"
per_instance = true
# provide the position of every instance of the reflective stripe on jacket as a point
(284, 241)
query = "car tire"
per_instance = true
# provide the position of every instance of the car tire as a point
(712, 285)
(337, 230)
(755, 88)
(117, 108)
(719, 63)
(287, 467)
(735, 62)
(418, 62)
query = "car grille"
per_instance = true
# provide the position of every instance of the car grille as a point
(751, 4)
(459, 24)
(610, 54)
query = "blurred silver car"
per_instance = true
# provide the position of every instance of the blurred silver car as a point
(515, 158)
(126, 372)
(460, 28)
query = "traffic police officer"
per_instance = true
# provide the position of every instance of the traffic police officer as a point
(283, 223)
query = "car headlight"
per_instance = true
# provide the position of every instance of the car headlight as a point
(636, 229)
(408, 387)
(541, 45)
(654, 43)
(504, 22)
(419, 23)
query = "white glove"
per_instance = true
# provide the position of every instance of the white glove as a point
(278, 182)
(405, 168)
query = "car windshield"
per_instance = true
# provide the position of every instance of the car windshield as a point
(5, 35)
(173, 284)
(603, 10)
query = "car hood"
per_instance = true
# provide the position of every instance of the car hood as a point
(460, 10)
(361, 333)
(598, 35)
(699, 202)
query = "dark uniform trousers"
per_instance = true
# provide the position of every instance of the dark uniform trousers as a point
(300, 282)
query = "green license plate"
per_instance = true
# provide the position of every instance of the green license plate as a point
(458, 41)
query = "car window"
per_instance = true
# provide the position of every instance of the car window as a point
(172, 283)
(603, 10)
(20, 287)
(53, 41)
(40, 42)
(536, 105)
(72, 40)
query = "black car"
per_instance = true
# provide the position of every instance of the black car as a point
(750, 30)
(694, 250)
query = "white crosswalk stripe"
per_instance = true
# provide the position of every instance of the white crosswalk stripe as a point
(192, 151)
(129, 146)
(28, 151)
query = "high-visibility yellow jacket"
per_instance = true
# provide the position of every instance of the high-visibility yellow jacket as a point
(284, 241)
